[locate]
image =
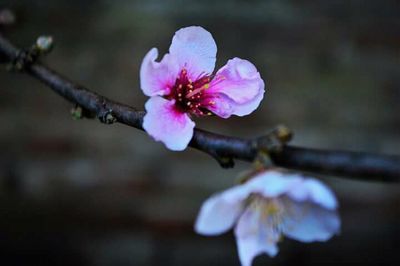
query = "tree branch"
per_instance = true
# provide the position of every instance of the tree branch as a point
(364, 166)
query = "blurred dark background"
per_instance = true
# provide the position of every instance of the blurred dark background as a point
(83, 193)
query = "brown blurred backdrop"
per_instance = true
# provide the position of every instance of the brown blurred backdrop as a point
(83, 193)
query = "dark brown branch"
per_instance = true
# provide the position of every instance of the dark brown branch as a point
(342, 163)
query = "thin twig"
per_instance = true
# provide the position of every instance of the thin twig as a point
(364, 166)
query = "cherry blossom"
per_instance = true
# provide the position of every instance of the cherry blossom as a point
(271, 205)
(182, 85)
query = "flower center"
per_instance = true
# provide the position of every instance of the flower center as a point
(190, 96)
(272, 214)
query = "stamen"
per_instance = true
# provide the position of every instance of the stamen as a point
(188, 93)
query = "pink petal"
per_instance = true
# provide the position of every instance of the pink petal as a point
(223, 106)
(241, 86)
(194, 48)
(165, 124)
(157, 78)
(308, 222)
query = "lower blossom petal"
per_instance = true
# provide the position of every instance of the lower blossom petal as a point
(309, 222)
(157, 78)
(239, 85)
(254, 237)
(272, 183)
(251, 247)
(313, 190)
(164, 123)
(217, 215)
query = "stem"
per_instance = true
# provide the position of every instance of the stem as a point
(364, 166)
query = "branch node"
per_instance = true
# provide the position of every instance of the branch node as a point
(26, 57)
(107, 117)
(224, 161)
(275, 140)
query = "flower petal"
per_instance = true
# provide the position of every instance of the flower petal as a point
(217, 215)
(222, 105)
(167, 125)
(157, 78)
(251, 247)
(195, 49)
(254, 236)
(221, 210)
(240, 81)
(309, 222)
(314, 190)
(272, 183)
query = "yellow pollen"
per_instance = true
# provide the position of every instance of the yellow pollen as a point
(272, 209)
(209, 113)
(206, 86)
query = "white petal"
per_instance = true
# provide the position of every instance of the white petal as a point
(321, 194)
(311, 189)
(272, 183)
(195, 49)
(254, 236)
(309, 222)
(217, 215)
(251, 247)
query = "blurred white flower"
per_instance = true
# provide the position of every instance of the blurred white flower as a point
(270, 205)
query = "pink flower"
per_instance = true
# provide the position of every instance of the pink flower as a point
(182, 85)
(268, 206)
